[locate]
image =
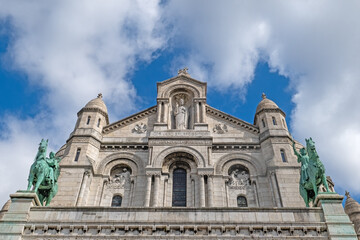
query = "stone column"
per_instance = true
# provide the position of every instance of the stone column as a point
(156, 190)
(166, 111)
(337, 221)
(210, 191)
(197, 112)
(202, 190)
(203, 112)
(159, 110)
(227, 192)
(13, 221)
(148, 190)
(83, 187)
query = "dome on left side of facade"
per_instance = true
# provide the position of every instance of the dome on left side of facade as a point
(6, 205)
(97, 103)
(266, 103)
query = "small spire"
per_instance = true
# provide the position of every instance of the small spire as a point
(347, 194)
(184, 71)
(99, 95)
(263, 95)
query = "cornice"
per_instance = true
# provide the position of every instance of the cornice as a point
(128, 120)
(231, 119)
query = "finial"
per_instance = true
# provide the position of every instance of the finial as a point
(347, 194)
(183, 71)
(263, 95)
(99, 95)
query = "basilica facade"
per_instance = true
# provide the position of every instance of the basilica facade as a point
(180, 170)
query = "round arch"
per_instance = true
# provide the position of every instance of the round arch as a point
(129, 159)
(161, 157)
(255, 168)
(170, 90)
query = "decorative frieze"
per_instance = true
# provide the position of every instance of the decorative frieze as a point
(114, 147)
(63, 231)
(228, 147)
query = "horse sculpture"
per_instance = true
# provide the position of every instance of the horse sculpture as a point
(312, 172)
(44, 173)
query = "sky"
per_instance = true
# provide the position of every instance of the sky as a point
(55, 56)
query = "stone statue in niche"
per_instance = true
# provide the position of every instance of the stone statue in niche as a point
(239, 179)
(140, 128)
(181, 115)
(120, 180)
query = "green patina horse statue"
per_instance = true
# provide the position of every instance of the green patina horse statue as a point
(44, 173)
(312, 172)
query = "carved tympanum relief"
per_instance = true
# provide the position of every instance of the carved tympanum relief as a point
(239, 178)
(119, 180)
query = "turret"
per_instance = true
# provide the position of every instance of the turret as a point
(270, 119)
(84, 141)
(94, 115)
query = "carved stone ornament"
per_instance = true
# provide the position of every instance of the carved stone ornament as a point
(239, 179)
(120, 180)
(140, 128)
(220, 128)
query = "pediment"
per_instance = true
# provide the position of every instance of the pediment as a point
(223, 124)
(137, 124)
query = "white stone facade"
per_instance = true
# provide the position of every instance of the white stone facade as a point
(210, 145)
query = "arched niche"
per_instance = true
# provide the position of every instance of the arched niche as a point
(179, 160)
(252, 164)
(161, 158)
(181, 109)
(191, 90)
(134, 162)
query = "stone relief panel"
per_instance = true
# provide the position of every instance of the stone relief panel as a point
(239, 179)
(220, 128)
(119, 183)
(140, 128)
(239, 187)
(119, 180)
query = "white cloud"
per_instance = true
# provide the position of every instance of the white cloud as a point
(74, 50)
(314, 43)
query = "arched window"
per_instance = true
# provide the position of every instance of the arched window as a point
(98, 124)
(88, 120)
(274, 121)
(241, 201)
(116, 201)
(179, 188)
(77, 154)
(263, 122)
(283, 156)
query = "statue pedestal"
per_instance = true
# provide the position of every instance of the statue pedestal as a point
(338, 223)
(13, 221)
